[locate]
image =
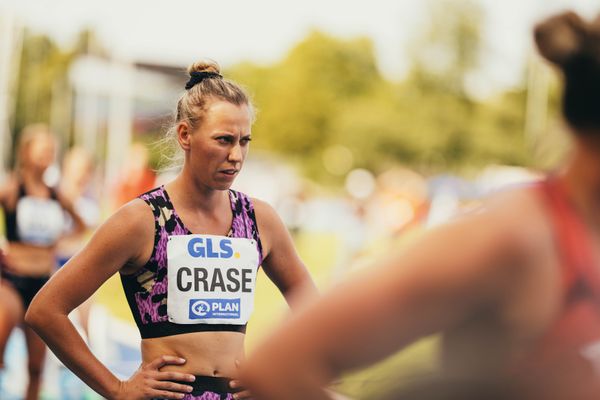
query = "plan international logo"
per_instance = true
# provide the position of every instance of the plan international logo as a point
(214, 308)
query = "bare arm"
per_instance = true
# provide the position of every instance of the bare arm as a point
(5, 191)
(435, 284)
(122, 240)
(281, 262)
(78, 223)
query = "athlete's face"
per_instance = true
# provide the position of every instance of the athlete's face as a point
(42, 151)
(217, 147)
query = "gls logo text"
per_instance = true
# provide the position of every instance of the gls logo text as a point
(207, 248)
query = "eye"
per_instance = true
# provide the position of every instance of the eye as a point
(224, 139)
(245, 140)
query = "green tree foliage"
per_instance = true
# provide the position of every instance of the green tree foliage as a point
(449, 48)
(328, 91)
(42, 63)
(300, 98)
(43, 81)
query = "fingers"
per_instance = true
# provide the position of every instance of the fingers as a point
(244, 394)
(236, 384)
(158, 387)
(161, 361)
(163, 394)
(174, 376)
(173, 387)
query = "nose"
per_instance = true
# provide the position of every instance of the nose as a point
(235, 154)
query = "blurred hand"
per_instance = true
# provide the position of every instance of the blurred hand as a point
(269, 382)
(6, 263)
(149, 382)
(237, 384)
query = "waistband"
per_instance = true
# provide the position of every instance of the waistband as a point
(214, 384)
(23, 278)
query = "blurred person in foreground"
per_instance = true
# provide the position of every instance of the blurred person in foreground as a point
(34, 219)
(187, 253)
(513, 287)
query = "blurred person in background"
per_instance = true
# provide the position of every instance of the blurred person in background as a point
(34, 219)
(135, 178)
(187, 253)
(77, 185)
(513, 286)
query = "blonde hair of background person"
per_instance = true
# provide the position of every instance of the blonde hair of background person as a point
(213, 128)
(514, 287)
(33, 225)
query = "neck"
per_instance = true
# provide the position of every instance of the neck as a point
(581, 177)
(70, 190)
(32, 176)
(193, 195)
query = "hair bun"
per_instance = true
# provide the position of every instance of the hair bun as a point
(561, 37)
(205, 65)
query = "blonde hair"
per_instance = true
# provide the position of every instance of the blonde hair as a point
(192, 105)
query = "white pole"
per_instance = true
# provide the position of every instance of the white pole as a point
(11, 42)
(120, 117)
(60, 111)
(536, 115)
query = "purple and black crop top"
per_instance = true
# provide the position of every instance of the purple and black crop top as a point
(146, 290)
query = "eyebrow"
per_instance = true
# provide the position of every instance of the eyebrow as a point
(229, 134)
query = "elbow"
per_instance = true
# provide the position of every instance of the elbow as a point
(301, 294)
(34, 317)
(81, 227)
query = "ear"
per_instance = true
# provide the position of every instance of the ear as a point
(184, 135)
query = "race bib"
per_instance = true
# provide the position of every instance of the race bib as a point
(39, 221)
(211, 279)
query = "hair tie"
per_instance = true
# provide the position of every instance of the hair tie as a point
(197, 77)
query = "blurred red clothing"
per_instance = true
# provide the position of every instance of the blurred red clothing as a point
(131, 185)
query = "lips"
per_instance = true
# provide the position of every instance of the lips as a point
(230, 172)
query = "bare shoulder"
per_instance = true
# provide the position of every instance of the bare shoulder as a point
(134, 212)
(267, 218)
(270, 226)
(485, 251)
(134, 218)
(264, 211)
(499, 236)
(520, 218)
(131, 227)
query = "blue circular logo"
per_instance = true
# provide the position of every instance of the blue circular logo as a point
(200, 308)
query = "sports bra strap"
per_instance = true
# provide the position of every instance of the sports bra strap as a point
(573, 239)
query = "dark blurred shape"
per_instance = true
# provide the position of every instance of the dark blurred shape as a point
(574, 46)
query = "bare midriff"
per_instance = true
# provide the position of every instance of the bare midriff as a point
(27, 260)
(206, 353)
